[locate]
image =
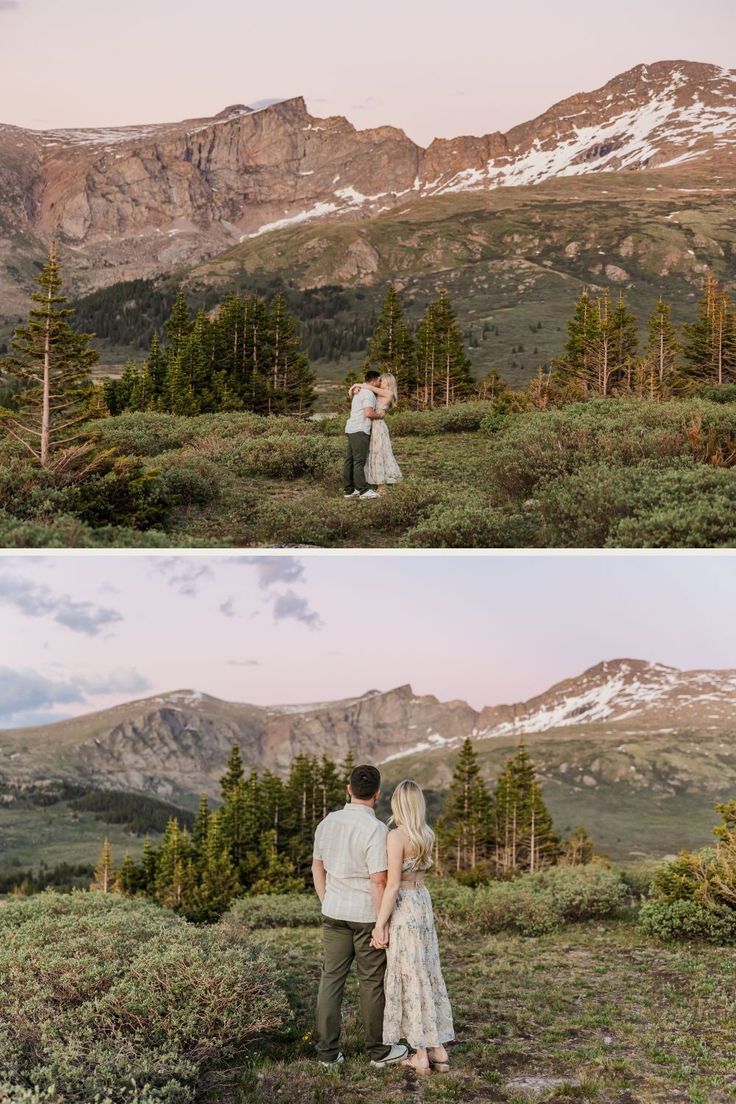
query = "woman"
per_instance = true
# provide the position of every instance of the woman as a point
(381, 467)
(417, 1005)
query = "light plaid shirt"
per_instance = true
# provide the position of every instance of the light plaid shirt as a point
(352, 845)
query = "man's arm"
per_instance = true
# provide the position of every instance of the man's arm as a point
(378, 884)
(319, 877)
(373, 414)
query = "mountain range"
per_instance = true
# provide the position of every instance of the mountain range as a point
(176, 745)
(229, 198)
(639, 752)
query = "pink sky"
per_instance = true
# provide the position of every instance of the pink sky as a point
(431, 68)
(86, 631)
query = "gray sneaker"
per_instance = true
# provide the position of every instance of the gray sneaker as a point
(397, 1052)
(353, 494)
(370, 494)
(335, 1063)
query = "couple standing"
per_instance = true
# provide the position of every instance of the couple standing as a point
(369, 458)
(376, 910)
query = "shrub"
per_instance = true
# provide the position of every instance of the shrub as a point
(188, 480)
(682, 507)
(536, 903)
(142, 434)
(538, 446)
(69, 532)
(284, 457)
(102, 993)
(474, 524)
(459, 418)
(681, 919)
(295, 910)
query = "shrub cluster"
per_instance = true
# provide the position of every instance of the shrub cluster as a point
(101, 994)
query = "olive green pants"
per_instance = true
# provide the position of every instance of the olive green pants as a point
(343, 942)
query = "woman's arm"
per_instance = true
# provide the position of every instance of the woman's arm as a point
(382, 392)
(395, 848)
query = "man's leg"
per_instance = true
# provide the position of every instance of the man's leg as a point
(370, 966)
(360, 444)
(347, 468)
(337, 942)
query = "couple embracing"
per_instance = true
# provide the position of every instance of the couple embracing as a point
(377, 911)
(369, 458)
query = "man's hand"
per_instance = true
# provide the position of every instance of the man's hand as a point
(319, 877)
(379, 937)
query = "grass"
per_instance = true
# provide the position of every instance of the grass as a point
(596, 1011)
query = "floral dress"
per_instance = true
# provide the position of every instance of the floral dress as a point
(417, 1005)
(381, 467)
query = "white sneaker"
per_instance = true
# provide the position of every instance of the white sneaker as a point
(397, 1052)
(370, 494)
(337, 1062)
(353, 494)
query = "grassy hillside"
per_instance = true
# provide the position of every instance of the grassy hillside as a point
(640, 793)
(513, 260)
(609, 473)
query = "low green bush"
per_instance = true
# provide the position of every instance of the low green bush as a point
(680, 507)
(682, 919)
(101, 994)
(474, 524)
(459, 418)
(67, 531)
(188, 480)
(284, 456)
(538, 446)
(535, 903)
(296, 910)
(142, 434)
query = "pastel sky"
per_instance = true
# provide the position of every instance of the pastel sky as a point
(85, 632)
(432, 68)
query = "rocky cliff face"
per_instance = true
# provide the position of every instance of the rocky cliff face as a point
(137, 201)
(177, 744)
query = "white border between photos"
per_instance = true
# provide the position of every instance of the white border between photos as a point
(428, 553)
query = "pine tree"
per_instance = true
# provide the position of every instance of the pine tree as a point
(104, 880)
(128, 877)
(175, 875)
(662, 354)
(464, 828)
(391, 348)
(234, 773)
(624, 343)
(575, 366)
(53, 364)
(218, 882)
(200, 830)
(148, 868)
(291, 379)
(278, 874)
(578, 849)
(179, 325)
(525, 839)
(709, 347)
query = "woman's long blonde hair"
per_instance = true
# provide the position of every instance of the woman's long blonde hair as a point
(388, 380)
(410, 812)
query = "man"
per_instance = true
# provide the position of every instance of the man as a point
(358, 429)
(349, 873)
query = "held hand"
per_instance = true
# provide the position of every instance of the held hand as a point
(379, 936)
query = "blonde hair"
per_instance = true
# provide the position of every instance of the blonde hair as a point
(388, 379)
(410, 813)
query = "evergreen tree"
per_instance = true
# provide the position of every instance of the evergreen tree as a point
(525, 840)
(278, 874)
(291, 379)
(710, 342)
(147, 871)
(391, 348)
(442, 366)
(179, 325)
(624, 343)
(576, 364)
(662, 354)
(464, 828)
(578, 849)
(53, 364)
(234, 773)
(128, 877)
(175, 874)
(200, 830)
(218, 882)
(104, 880)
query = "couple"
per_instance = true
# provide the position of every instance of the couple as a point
(377, 911)
(369, 458)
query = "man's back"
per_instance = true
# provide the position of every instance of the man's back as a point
(352, 845)
(358, 422)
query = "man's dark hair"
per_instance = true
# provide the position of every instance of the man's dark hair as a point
(365, 782)
(372, 374)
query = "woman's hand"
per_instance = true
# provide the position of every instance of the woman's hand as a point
(355, 389)
(379, 936)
